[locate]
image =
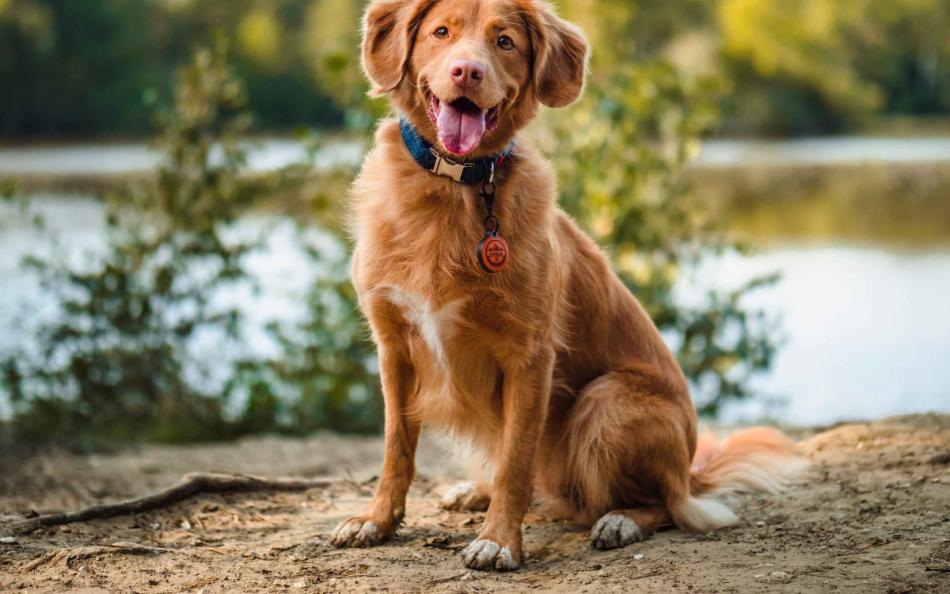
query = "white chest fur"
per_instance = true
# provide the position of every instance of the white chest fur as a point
(434, 325)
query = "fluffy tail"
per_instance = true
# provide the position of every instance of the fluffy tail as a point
(760, 459)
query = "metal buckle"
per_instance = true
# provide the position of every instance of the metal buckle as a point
(447, 167)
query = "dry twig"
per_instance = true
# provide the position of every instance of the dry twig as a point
(68, 556)
(190, 485)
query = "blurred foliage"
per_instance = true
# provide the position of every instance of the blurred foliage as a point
(89, 67)
(620, 155)
(326, 374)
(812, 66)
(115, 363)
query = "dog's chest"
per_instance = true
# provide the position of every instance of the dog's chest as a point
(455, 371)
(435, 325)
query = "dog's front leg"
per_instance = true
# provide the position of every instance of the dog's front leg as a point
(383, 515)
(526, 391)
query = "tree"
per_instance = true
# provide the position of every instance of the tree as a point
(115, 362)
(822, 65)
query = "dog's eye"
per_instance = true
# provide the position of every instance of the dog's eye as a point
(441, 33)
(506, 43)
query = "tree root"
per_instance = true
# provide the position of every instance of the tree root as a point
(68, 556)
(190, 485)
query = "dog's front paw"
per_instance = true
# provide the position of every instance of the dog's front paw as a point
(613, 531)
(361, 531)
(484, 553)
(468, 496)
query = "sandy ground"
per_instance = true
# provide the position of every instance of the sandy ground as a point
(872, 515)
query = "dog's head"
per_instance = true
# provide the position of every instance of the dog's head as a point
(469, 73)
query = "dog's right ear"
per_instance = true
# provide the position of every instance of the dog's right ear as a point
(389, 32)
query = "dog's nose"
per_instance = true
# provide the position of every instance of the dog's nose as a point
(467, 73)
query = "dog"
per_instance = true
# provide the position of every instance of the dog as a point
(496, 318)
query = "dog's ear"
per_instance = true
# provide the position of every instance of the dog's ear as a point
(389, 32)
(560, 56)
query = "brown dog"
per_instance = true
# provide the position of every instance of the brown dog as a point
(550, 365)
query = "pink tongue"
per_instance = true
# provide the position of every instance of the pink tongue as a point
(460, 131)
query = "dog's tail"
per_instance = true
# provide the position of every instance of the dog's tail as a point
(760, 459)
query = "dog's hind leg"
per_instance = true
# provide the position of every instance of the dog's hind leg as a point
(467, 496)
(624, 455)
(627, 526)
(473, 495)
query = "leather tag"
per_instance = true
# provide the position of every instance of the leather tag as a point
(493, 253)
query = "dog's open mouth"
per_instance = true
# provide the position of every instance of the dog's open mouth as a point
(461, 123)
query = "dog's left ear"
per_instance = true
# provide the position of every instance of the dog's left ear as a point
(560, 56)
(389, 32)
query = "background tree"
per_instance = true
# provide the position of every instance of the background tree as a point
(90, 67)
(816, 66)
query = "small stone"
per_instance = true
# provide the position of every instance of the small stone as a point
(942, 458)
(185, 525)
(299, 585)
(780, 577)
(638, 556)
(466, 577)
(7, 540)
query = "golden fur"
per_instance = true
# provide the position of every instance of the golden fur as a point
(551, 367)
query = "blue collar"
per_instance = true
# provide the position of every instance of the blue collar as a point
(466, 172)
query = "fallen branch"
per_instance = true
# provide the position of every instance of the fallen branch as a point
(190, 485)
(68, 556)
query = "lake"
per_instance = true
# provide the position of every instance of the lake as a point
(866, 323)
(273, 153)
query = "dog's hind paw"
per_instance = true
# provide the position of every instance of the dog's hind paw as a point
(358, 532)
(469, 496)
(613, 531)
(488, 554)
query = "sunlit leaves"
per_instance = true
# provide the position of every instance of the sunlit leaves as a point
(259, 34)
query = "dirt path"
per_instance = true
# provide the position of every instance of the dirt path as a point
(873, 515)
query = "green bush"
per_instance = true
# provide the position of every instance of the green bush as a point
(116, 364)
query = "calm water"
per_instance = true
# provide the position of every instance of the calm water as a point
(866, 326)
(273, 153)
(281, 275)
(867, 330)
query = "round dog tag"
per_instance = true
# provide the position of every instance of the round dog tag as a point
(493, 253)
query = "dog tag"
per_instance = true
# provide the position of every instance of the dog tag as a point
(493, 253)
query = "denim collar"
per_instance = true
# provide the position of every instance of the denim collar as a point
(470, 172)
